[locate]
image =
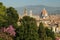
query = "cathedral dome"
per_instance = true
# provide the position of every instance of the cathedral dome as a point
(44, 12)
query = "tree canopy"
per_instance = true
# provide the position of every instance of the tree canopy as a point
(28, 29)
(12, 15)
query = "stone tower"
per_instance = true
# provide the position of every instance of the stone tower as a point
(30, 13)
(25, 12)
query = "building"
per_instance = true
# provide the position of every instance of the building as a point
(50, 21)
(25, 12)
(44, 14)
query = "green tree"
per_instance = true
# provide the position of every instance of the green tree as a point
(12, 16)
(49, 33)
(41, 32)
(28, 29)
(3, 14)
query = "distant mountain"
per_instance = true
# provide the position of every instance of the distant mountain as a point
(37, 9)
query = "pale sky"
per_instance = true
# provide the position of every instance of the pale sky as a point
(21, 3)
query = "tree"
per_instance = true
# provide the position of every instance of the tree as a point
(2, 14)
(28, 29)
(12, 16)
(41, 32)
(49, 33)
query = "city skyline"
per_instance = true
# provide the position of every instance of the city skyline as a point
(21, 3)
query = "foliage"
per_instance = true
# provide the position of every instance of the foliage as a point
(8, 16)
(28, 29)
(12, 15)
(2, 14)
(41, 32)
(49, 33)
(45, 33)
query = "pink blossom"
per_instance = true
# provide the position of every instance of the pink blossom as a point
(10, 30)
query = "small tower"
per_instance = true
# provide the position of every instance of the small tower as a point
(25, 12)
(30, 13)
(44, 14)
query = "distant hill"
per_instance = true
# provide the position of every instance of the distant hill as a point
(37, 9)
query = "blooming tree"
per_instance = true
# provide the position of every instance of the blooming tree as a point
(10, 30)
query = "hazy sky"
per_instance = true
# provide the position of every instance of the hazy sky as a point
(21, 3)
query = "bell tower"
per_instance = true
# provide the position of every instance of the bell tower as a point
(25, 12)
(30, 13)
